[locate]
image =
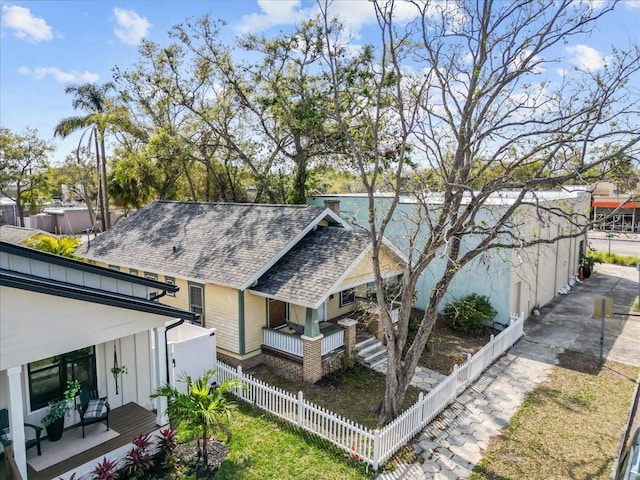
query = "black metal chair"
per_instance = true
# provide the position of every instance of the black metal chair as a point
(92, 408)
(4, 431)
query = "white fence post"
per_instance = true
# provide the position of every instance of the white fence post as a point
(376, 450)
(239, 391)
(493, 346)
(300, 408)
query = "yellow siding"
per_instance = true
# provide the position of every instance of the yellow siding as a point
(221, 313)
(334, 310)
(363, 271)
(297, 314)
(255, 318)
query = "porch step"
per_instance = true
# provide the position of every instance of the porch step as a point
(380, 365)
(372, 352)
(360, 346)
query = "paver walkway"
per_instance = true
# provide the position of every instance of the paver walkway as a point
(452, 445)
(424, 378)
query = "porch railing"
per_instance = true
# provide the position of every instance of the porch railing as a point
(332, 340)
(284, 342)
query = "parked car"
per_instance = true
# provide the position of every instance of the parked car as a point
(630, 460)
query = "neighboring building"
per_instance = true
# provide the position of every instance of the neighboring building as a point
(615, 211)
(515, 281)
(268, 278)
(61, 320)
(9, 212)
(65, 220)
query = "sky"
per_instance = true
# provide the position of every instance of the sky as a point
(48, 44)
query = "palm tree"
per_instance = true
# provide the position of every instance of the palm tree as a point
(64, 246)
(202, 410)
(93, 99)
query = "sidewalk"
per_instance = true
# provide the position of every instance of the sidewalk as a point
(453, 445)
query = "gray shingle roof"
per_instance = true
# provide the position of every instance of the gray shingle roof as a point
(307, 272)
(16, 235)
(222, 243)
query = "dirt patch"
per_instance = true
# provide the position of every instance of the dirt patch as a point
(190, 457)
(446, 347)
(354, 393)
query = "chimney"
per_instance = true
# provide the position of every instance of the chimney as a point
(333, 204)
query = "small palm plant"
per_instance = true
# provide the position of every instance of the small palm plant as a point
(202, 410)
(64, 246)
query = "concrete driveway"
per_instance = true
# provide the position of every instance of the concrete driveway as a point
(568, 323)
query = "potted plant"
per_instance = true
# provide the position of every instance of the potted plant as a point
(118, 371)
(54, 419)
(586, 264)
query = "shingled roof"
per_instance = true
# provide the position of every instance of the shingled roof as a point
(307, 274)
(222, 243)
(17, 235)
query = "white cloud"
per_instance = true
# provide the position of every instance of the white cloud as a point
(272, 13)
(60, 76)
(131, 27)
(585, 57)
(632, 4)
(25, 25)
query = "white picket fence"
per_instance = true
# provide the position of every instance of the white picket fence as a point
(373, 446)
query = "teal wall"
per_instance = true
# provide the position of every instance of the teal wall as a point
(490, 274)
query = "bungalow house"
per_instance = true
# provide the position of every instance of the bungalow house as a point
(515, 280)
(62, 320)
(268, 278)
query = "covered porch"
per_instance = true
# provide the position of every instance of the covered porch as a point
(64, 320)
(126, 422)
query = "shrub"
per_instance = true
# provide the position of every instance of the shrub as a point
(167, 444)
(105, 470)
(138, 461)
(614, 258)
(469, 313)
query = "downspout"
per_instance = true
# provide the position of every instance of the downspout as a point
(153, 298)
(173, 325)
(166, 349)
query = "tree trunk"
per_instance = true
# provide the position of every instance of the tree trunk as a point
(300, 181)
(99, 173)
(105, 193)
(19, 205)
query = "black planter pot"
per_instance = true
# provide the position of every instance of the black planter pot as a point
(586, 271)
(54, 430)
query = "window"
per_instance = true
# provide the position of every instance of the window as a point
(133, 271)
(48, 378)
(347, 297)
(114, 267)
(151, 276)
(196, 300)
(170, 281)
(278, 313)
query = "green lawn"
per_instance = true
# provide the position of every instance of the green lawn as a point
(568, 427)
(263, 448)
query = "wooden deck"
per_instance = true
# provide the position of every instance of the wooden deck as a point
(129, 421)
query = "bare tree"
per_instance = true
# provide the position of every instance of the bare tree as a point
(457, 100)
